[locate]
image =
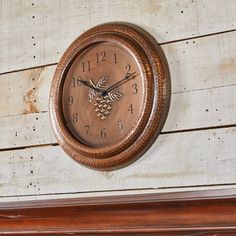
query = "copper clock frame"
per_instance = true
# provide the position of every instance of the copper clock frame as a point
(157, 97)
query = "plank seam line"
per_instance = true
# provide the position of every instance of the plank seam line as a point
(163, 43)
(165, 132)
(197, 37)
(28, 147)
(31, 113)
(29, 68)
(120, 190)
(199, 129)
(202, 89)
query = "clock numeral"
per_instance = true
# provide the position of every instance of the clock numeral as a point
(115, 58)
(135, 87)
(131, 110)
(75, 118)
(120, 125)
(87, 129)
(101, 56)
(76, 81)
(128, 68)
(70, 100)
(86, 66)
(103, 133)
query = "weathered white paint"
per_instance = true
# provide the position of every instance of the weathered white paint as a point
(181, 159)
(196, 64)
(37, 32)
(25, 92)
(188, 110)
(202, 63)
(34, 33)
(203, 81)
(68, 196)
(26, 130)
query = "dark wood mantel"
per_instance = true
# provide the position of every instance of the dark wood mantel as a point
(186, 213)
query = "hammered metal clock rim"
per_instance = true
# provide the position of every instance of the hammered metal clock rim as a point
(69, 141)
(158, 67)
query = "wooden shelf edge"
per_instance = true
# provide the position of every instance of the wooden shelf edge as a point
(210, 212)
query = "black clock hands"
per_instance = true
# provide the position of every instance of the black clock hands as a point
(86, 83)
(119, 83)
(112, 87)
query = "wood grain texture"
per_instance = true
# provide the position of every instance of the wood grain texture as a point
(196, 64)
(193, 110)
(203, 81)
(169, 214)
(175, 160)
(44, 29)
(71, 195)
(26, 130)
(203, 85)
(25, 92)
(202, 63)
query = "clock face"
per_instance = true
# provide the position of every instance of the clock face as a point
(103, 94)
(110, 96)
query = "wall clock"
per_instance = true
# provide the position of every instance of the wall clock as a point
(110, 95)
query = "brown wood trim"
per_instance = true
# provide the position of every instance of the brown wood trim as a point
(188, 213)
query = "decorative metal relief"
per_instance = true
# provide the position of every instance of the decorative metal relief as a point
(110, 96)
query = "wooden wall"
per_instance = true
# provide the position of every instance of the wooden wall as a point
(197, 148)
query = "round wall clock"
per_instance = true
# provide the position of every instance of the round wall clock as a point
(110, 95)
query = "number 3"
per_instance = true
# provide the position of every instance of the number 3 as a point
(135, 87)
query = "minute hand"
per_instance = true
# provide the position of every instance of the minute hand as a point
(119, 83)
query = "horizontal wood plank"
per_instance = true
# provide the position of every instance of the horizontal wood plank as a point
(202, 63)
(175, 160)
(26, 130)
(203, 95)
(194, 65)
(44, 29)
(190, 110)
(8, 200)
(109, 197)
(25, 92)
(203, 82)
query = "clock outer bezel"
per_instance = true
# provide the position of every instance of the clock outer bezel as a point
(157, 98)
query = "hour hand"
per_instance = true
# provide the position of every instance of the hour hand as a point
(84, 82)
(90, 85)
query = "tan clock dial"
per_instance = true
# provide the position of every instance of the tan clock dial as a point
(110, 96)
(103, 94)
